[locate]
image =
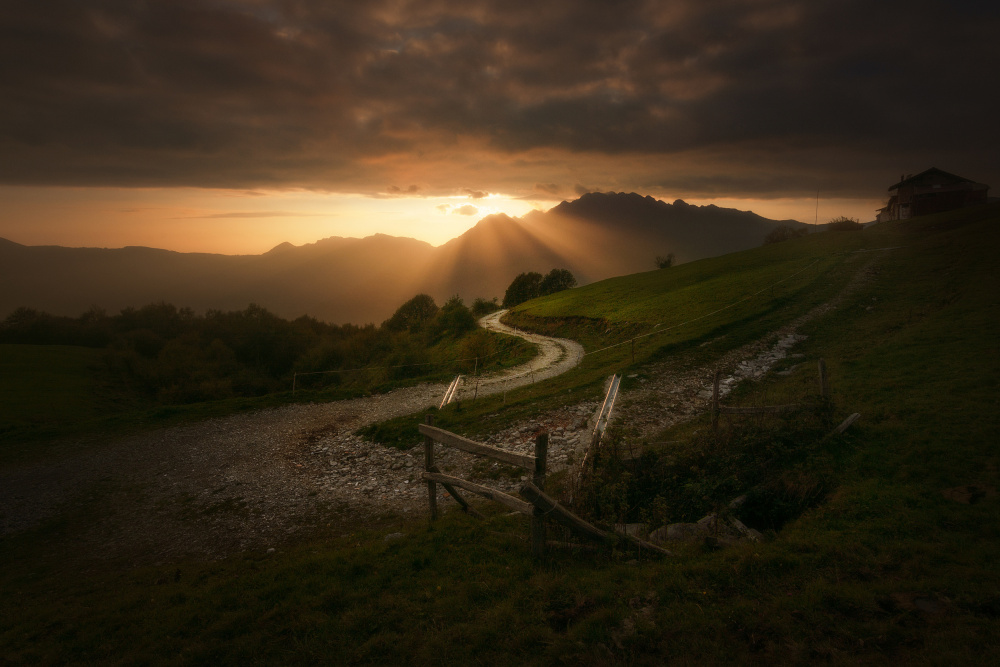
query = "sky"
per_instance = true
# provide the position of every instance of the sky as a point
(232, 126)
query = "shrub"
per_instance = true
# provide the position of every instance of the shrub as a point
(844, 224)
(664, 261)
(482, 307)
(784, 233)
(454, 319)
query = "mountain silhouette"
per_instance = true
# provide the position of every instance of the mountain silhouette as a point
(363, 280)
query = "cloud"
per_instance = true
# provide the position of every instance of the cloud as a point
(396, 190)
(467, 209)
(475, 194)
(733, 95)
(548, 188)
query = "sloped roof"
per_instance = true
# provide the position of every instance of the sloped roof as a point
(927, 175)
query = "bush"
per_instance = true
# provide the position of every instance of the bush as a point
(784, 233)
(454, 319)
(482, 307)
(844, 224)
(664, 261)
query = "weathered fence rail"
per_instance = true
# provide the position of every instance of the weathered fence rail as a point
(449, 394)
(539, 506)
(535, 464)
(550, 508)
(472, 447)
(486, 492)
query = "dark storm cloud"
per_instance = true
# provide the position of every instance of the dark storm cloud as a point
(328, 95)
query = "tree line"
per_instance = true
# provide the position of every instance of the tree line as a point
(172, 355)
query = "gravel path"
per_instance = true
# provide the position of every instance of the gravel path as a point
(250, 480)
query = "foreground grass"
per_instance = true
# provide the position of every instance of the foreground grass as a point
(891, 567)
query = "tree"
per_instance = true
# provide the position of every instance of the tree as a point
(524, 287)
(413, 314)
(556, 281)
(454, 319)
(664, 261)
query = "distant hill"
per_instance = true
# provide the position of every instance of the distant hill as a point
(363, 280)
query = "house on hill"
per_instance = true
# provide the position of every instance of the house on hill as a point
(930, 191)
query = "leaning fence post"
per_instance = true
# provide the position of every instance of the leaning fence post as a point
(428, 464)
(295, 376)
(715, 401)
(538, 479)
(824, 388)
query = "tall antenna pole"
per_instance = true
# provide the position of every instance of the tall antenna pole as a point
(816, 222)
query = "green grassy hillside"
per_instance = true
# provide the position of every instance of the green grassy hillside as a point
(898, 563)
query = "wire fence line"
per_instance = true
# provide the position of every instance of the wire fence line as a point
(450, 362)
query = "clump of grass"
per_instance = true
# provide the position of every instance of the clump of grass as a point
(779, 463)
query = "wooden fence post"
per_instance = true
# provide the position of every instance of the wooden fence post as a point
(428, 464)
(715, 401)
(538, 479)
(824, 388)
(476, 394)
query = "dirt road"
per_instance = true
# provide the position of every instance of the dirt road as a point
(249, 480)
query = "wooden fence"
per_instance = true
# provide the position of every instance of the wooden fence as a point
(449, 394)
(534, 464)
(539, 506)
(718, 409)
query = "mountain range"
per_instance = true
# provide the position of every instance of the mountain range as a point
(363, 280)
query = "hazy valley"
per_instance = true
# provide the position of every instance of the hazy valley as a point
(342, 280)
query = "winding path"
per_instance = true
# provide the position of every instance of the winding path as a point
(246, 480)
(555, 356)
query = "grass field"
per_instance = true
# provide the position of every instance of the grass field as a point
(48, 384)
(899, 564)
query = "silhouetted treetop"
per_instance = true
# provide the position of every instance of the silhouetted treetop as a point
(413, 314)
(527, 286)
